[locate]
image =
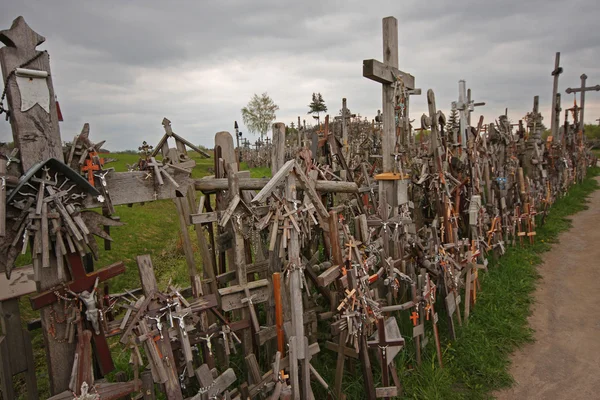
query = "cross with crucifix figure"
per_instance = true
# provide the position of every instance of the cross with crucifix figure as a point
(389, 342)
(388, 74)
(81, 284)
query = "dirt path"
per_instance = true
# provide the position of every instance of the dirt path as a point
(564, 361)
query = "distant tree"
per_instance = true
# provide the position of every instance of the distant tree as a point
(453, 123)
(259, 113)
(592, 131)
(291, 129)
(317, 106)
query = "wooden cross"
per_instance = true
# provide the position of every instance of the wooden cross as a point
(385, 345)
(582, 90)
(90, 167)
(465, 106)
(387, 73)
(555, 110)
(210, 388)
(82, 282)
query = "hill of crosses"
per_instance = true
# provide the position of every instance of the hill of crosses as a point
(368, 240)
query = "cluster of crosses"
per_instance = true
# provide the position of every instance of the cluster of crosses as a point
(356, 240)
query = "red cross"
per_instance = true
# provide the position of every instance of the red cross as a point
(82, 281)
(415, 318)
(90, 166)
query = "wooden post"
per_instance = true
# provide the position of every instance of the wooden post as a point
(168, 366)
(463, 112)
(239, 256)
(278, 312)
(2, 197)
(278, 149)
(390, 60)
(345, 116)
(16, 351)
(37, 136)
(555, 73)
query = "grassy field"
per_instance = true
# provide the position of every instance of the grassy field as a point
(474, 365)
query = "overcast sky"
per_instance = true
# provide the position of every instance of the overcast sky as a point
(124, 65)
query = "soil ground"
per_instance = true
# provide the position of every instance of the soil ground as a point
(564, 360)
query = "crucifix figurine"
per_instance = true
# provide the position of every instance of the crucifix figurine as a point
(91, 308)
(158, 322)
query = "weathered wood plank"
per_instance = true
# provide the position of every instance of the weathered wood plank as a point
(274, 182)
(20, 283)
(231, 297)
(209, 185)
(136, 187)
(278, 147)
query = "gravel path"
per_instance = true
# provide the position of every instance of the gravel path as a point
(564, 360)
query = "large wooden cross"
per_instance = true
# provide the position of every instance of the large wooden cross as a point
(388, 347)
(37, 136)
(582, 90)
(387, 73)
(84, 282)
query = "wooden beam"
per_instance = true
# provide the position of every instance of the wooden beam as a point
(274, 182)
(211, 185)
(379, 72)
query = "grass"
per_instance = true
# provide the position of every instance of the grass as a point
(475, 364)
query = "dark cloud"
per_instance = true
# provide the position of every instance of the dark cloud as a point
(123, 66)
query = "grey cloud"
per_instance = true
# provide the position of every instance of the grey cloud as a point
(123, 66)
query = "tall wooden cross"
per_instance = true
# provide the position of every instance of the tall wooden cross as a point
(37, 136)
(387, 73)
(555, 108)
(582, 90)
